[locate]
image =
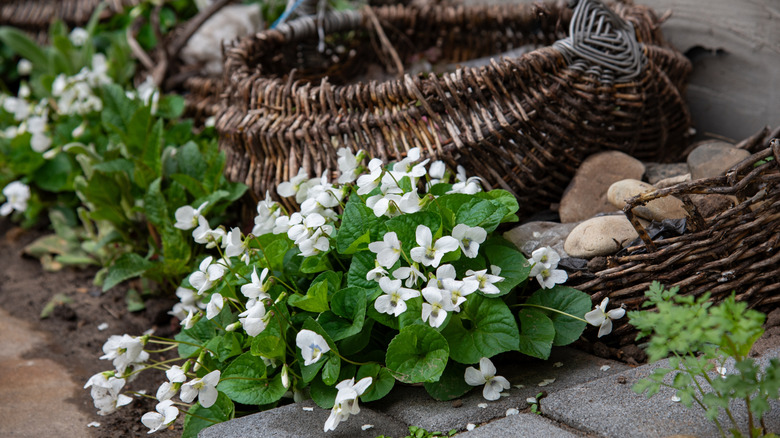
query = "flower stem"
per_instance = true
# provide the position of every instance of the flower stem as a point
(552, 310)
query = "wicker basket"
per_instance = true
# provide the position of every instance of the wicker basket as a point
(35, 16)
(523, 124)
(733, 249)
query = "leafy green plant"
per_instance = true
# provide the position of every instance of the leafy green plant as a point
(699, 338)
(373, 282)
(108, 164)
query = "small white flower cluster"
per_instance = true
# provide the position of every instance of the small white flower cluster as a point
(313, 347)
(33, 118)
(127, 354)
(443, 292)
(75, 94)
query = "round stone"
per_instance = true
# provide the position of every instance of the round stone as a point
(600, 236)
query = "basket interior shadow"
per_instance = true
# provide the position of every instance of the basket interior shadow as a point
(733, 249)
(522, 123)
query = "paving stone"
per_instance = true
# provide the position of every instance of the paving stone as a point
(519, 426)
(292, 421)
(413, 405)
(607, 407)
(30, 388)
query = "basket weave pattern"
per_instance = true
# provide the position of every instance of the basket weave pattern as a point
(523, 124)
(734, 249)
(36, 15)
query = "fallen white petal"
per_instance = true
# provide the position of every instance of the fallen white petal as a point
(93, 424)
(532, 400)
(102, 326)
(367, 426)
(504, 394)
(605, 368)
(557, 364)
(546, 382)
(470, 426)
(308, 409)
(512, 411)
(482, 405)
(519, 386)
(675, 398)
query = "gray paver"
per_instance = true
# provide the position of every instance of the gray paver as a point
(292, 421)
(413, 405)
(519, 426)
(609, 408)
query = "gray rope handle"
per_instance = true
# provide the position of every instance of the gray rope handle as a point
(597, 35)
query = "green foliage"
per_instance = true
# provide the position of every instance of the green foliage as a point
(702, 339)
(121, 177)
(115, 166)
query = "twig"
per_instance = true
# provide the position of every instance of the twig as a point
(385, 41)
(136, 48)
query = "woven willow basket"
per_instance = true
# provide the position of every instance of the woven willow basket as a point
(35, 16)
(732, 249)
(523, 123)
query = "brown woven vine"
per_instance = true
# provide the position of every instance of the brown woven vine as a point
(734, 249)
(523, 124)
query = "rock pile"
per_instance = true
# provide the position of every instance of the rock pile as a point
(592, 222)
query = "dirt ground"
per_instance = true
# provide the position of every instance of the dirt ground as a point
(75, 341)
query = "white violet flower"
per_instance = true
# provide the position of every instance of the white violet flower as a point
(253, 319)
(203, 388)
(378, 272)
(312, 346)
(469, 238)
(411, 274)
(165, 415)
(78, 36)
(348, 165)
(388, 251)
(546, 257)
(257, 289)
(215, 306)
(599, 317)
(430, 253)
(486, 375)
(105, 393)
(393, 302)
(203, 279)
(124, 351)
(484, 281)
(187, 217)
(16, 195)
(434, 310)
(346, 403)
(24, 67)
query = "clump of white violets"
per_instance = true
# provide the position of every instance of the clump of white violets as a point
(400, 276)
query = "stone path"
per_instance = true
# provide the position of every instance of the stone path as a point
(586, 399)
(34, 392)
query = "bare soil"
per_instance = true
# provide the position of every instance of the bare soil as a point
(74, 339)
